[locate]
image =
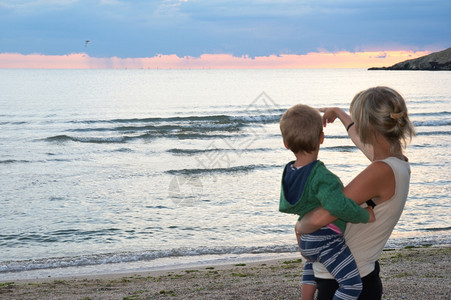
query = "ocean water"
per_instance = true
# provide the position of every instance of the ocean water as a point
(124, 170)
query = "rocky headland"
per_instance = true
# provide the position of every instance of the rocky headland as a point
(437, 61)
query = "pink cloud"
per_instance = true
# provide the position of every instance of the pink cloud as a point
(214, 61)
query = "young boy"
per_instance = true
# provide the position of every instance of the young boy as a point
(308, 184)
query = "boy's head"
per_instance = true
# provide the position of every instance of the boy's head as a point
(302, 129)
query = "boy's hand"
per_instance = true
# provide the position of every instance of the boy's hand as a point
(298, 236)
(372, 216)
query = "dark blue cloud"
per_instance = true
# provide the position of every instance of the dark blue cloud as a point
(145, 28)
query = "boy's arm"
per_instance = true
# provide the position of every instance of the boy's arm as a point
(320, 217)
(329, 116)
(329, 191)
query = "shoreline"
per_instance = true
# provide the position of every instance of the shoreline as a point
(102, 264)
(407, 273)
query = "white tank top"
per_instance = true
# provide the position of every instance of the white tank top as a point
(367, 241)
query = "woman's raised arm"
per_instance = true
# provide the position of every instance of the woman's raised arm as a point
(332, 113)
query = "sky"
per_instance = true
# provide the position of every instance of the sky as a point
(220, 34)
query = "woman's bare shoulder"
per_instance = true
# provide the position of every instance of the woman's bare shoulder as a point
(376, 170)
(383, 179)
(380, 166)
(376, 181)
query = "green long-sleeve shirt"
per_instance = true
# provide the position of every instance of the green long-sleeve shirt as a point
(314, 185)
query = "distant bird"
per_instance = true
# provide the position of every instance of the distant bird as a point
(87, 42)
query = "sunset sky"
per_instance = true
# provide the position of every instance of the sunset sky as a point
(220, 34)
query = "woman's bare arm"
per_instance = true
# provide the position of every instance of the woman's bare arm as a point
(332, 113)
(313, 221)
(376, 181)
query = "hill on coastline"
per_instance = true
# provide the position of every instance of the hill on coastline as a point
(437, 61)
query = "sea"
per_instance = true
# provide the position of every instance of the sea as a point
(118, 171)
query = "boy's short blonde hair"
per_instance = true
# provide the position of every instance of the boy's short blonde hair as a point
(383, 110)
(301, 128)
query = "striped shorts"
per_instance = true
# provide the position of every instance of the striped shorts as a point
(329, 248)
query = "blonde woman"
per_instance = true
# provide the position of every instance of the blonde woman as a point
(380, 127)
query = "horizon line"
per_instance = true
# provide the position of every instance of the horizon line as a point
(312, 60)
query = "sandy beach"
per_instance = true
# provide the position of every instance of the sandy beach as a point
(409, 273)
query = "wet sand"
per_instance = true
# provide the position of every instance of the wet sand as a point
(409, 273)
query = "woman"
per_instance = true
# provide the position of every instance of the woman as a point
(379, 125)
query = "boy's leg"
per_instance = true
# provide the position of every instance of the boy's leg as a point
(308, 277)
(329, 248)
(308, 282)
(339, 261)
(308, 291)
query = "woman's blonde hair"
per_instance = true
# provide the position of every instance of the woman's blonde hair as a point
(301, 128)
(382, 110)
